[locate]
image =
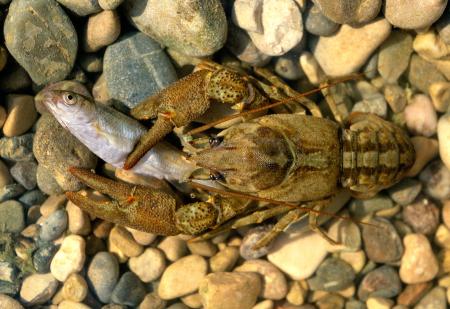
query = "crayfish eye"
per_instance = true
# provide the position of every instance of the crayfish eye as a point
(215, 141)
(69, 99)
(216, 176)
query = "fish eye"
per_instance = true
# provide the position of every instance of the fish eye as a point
(69, 99)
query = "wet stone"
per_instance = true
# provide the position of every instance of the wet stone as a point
(75, 288)
(17, 148)
(435, 299)
(396, 97)
(9, 302)
(102, 274)
(250, 239)
(34, 197)
(422, 216)
(288, 67)
(148, 266)
(38, 289)
(32, 30)
(24, 172)
(422, 73)
(11, 217)
(203, 248)
(436, 180)
(406, 191)
(11, 191)
(382, 242)
(153, 301)
(54, 225)
(420, 116)
(318, 24)
(151, 69)
(43, 256)
(360, 208)
(21, 114)
(173, 247)
(129, 290)
(224, 260)
(412, 293)
(332, 275)
(350, 12)
(102, 29)
(70, 257)
(381, 282)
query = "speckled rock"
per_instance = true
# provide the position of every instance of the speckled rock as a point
(38, 289)
(418, 263)
(21, 114)
(81, 7)
(436, 180)
(405, 191)
(381, 282)
(393, 58)
(17, 148)
(35, 50)
(412, 15)
(350, 12)
(102, 29)
(12, 218)
(103, 273)
(443, 132)
(43, 256)
(46, 182)
(201, 26)
(343, 53)
(148, 266)
(66, 151)
(70, 257)
(54, 225)
(422, 73)
(318, 24)
(240, 290)
(250, 239)
(24, 172)
(332, 275)
(151, 71)
(9, 302)
(129, 290)
(224, 260)
(422, 216)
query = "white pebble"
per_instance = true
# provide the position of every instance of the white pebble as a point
(70, 257)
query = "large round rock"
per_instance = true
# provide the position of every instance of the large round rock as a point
(136, 67)
(40, 36)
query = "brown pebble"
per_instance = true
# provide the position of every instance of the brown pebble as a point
(426, 149)
(123, 241)
(22, 114)
(422, 216)
(102, 29)
(52, 203)
(75, 288)
(102, 228)
(413, 293)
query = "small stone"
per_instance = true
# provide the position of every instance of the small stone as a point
(152, 301)
(75, 288)
(43, 256)
(46, 182)
(240, 290)
(152, 70)
(382, 242)
(142, 238)
(265, 304)
(174, 248)
(291, 255)
(435, 299)
(361, 208)
(412, 15)
(330, 301)
(422, 74)
(109, 4)
(394, 55)
(420, 116)
(70, 257)
(79, 222)
(11, 217)
(442, 237)
(418, 263)
(37, 289)
(376, 105)
(446, 213)
(148, 266)
(103, 273)
(354, 304)
(347, 234)
(343, 53)
(123, 241)
(7, 272)
(69, 304)
(332, 275)
(91, 63)
(102, 229)
(22, 114)
(9, 302)
(81, 7)
(201, 26)
(274, 282)
(406, 191)
(204, 248)
(15, 79)
(436, 178)
(318, 24)
(5, 176)
(426, 149)
(381, 282)
(282, 27)
(224, 260)
(443, 132)
(11, 191)
(379, 303)
(350, 12)
(440, 96)
(396, 97)
(422, 216)
(129, 290)
(47, 52)
(192, 300)
(247, 15)
(17, 148)
(52, 204)
(54, 225)
(33, 198)
(356, 259)
(288, 67)
(430, 46)
(250, 239)
(297, 293)
(24, 172)
(413, 293)
(102, 29)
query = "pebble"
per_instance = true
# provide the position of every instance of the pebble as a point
(24, 173)
(330, 301)
(224, 260)
(382, 242)
(291, 255)
(430, 46)
(109, 4)
(440, 96)
(102, 229)
(288, 67)
(380, 282)
(174, 283)
(52, 204)
(422, 216)
(12, 217)
(446, 213)
(376, 105)
(406, 191)
(152, 70)
(332, 275)
(7, 272)
(75, 288)
(412, 15)
(79, 221)
(204, 248)
(70, 257)
(418, 263)
(37, 289)
(69, 304)
(142, 238)
(5, 176)
(343, 53)
(443, 133)
(102, 274)
(442, 237)
(9, 302)
(17, 148)
(192, 300)
(129, 290)
(102, 29)
(247, 15)
(412, 293)
(54, 225)
(43, 256)
(91, 63)
(123, 241)
(436, 180)
(173, 247)
(360, 208)
(265, 304)
(394, 55)
(11, 191)
(47, 51)
(435, 299)
(426, 149)
(81, 7)
(318, 24)
(282, 27)
(32, 198)
(354, 12)
(66, 151)
(297, 292)
(356, 259)
(240, 290)
(379, 303)
(347, 234)
(22, 114)
(250, 239)
(152, 301)
(422, 74)
(148, 266)
(420, 116)
(274, 283)
(46, 182)
(201, 26)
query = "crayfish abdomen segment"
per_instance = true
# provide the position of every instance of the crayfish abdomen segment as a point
(375, 155)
